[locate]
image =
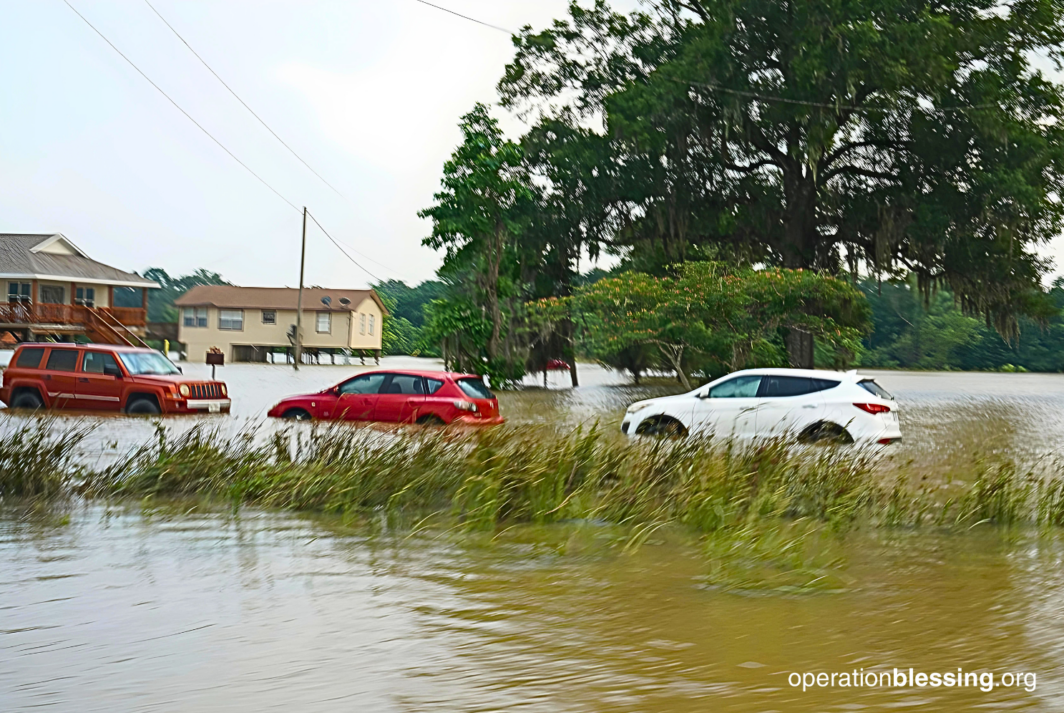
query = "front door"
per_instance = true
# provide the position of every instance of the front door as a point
(358, 397)
(98, 388)
(729, 408)
(59, 377)
(400, 399)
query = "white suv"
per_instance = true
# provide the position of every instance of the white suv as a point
(810, 405)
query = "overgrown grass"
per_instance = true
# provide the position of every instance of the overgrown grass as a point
(765, 510)
(37, 460)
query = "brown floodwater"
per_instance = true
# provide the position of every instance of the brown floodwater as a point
(105, 608)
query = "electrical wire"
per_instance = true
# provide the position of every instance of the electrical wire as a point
(187, 115)
(467, 17)
(237, 97)
(820, 105)
(341, 248)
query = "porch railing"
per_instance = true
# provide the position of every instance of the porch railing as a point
(20, 313)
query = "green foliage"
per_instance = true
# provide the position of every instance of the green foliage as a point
(910, 136)
(910, 333)
(716, 317)
(161, 302)
(405, 302)
(482, 207)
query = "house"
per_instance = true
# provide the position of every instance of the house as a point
(247, 323)
(56, 291)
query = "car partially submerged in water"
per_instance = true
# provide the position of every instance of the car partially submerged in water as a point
(808, 405)
(422, 397)
(105, 378)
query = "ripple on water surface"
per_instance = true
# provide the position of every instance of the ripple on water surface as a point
(116, 610)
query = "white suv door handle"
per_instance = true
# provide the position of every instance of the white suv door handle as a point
(809, 406)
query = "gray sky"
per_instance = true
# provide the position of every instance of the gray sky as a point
(368, 92)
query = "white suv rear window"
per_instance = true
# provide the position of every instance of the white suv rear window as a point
(875, 389)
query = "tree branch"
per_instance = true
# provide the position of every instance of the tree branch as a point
(857, 171)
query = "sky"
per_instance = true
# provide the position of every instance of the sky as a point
(369, 93)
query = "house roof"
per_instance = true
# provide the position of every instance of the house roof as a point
(54, 257)
(232, 297)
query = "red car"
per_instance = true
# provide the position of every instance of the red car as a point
(103, 377)
(425, 397)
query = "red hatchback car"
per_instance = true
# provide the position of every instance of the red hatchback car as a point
(425, 397)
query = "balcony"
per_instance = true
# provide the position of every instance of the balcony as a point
(66, 318)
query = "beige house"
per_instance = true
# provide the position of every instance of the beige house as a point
(248, 323)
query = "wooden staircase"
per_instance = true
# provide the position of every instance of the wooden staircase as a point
(103, 328)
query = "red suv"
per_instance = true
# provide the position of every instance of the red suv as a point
(102, 377)
(425, 397)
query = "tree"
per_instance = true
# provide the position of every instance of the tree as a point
(714, 312)
(484, 203)
(895, 136)
(161, 302)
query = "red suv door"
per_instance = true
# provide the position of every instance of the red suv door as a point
(400, 399)
(99, 384)
(59, 376)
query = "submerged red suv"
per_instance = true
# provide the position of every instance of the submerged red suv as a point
(425, 397)
(103, 377)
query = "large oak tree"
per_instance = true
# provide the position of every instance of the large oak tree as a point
(889, 136)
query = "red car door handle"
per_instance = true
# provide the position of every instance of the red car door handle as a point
(83, 380)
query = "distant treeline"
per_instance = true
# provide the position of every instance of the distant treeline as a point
(909, 332)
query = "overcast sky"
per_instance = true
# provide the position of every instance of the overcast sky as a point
(368, 92)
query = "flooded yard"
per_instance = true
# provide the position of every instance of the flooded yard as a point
(114, 608)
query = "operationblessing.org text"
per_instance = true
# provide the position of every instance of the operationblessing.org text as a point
(908, 678)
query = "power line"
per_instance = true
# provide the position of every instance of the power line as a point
(237, 96)
(467, 17)
(341, 248)
(819, 105)
(187, 115)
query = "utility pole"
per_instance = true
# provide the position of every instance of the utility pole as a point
(299, 302)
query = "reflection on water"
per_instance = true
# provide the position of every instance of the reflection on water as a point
(117, 611)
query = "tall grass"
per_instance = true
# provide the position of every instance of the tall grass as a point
(534, 475)
(37, 460)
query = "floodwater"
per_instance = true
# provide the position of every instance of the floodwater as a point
(115, 609)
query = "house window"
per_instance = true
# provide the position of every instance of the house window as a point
(372, 318)
(362, 324)
(269, 316)
(324, 322)
(231, 320)
(52, 295)
(85, 296)
(18, 291)
(195, 317)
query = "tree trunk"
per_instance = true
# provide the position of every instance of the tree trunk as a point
(494, 259)
(799, 251)
(572, 372)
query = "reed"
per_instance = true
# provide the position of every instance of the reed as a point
(37, 459)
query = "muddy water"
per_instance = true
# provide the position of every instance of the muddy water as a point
(118, 610)
(124, 612)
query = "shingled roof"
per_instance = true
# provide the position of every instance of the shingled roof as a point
(287, 298)
(54, 257)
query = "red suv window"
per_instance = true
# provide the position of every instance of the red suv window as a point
(62, 360)
(30, 358)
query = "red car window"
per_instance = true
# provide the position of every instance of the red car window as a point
(405, 384)
(475, 389)
(365, 384)
(97, 362)
(30, 358)
(62, 360)
(432, 386)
